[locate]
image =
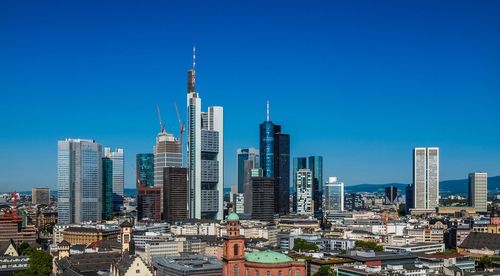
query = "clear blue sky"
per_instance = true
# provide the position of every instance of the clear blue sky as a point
(359, 82)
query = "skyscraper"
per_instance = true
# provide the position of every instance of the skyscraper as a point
(245, 155)
(117, 158)
(478, 191)
(79, 181)
(205, 131)
(175, 194)
(107, 188)
(304, 184)
(167, 153)
(298, 164)
(145, 169)
(275, 162)
(315, 164)
(40, 196)
(263, 199)
(391, 194)
(148, 203)
(333, 196)
(426, 178)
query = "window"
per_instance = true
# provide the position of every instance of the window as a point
(236, 270)
(268, 273)
(138, 271)
(280, 273)
(256, 273)
(297, 272)
(236, 251)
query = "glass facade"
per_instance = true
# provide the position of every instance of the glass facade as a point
(107, 188)
(267, 131)
(145, 169)
(333, 196)
(245, 155)
(79, 181)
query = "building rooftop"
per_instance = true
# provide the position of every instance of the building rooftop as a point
(477, 240)
(267, 257)
(188, 263)
(233, 217)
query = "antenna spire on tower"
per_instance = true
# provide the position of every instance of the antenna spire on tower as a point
(194, 56)
(267, 111)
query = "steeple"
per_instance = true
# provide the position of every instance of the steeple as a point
(192, 74)
(267, 111)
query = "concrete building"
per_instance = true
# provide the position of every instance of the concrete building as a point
(205, 131)
(79, 181)
(426, 178)
(167, 153)
(304, 185)
(187, 265)
(40, 196)
(478, 191)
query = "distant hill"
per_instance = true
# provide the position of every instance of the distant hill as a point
(458, 186)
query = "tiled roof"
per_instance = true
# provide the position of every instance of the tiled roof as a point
(477, 240)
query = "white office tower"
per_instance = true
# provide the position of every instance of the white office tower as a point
(426, 178)
(79, 181)
(333, 196)
(205, 131)
(478, 191)
(167, 153)
(304, 181)
(118, 179)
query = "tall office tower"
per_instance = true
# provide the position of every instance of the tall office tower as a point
(40, 196)
(333, 196)
(145, 169)
(107, 188)
(391, 194)
(298, 164)
(304, 185)
(205, 131)
(247, 154)
(248, 194)
(117, 157)
(426, 178)
(148, 203)
(175, 194)
(275, 162)
(409, 198)
(79, 181)
(263, 199)
(167, 153)
(478, 191)
(315, 164)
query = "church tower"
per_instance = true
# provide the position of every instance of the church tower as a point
(234, 248)
(126, 237)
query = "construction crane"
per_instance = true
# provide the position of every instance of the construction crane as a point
(387, 217)
(181, 124)
(162, 127)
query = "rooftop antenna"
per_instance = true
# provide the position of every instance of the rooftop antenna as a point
(194, 56)
(267, 111)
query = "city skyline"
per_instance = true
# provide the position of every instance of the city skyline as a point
(352, 135)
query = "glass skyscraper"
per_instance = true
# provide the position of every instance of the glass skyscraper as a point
(145, 169)
(118, 167)
(245, 155)
(333, 196)
(79, 181)
(315, 165)
(107, 188)
(426, 178)
(275, 162)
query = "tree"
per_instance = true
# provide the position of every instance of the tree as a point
(40, 263)
(303, 245)
(402, 210)
(370, 245)
(485, 262)
(325, 270)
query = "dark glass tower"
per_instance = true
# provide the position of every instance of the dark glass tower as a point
(275, 162)
(145, 169)
(107, 188)
(298, 164)
(316, 166)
